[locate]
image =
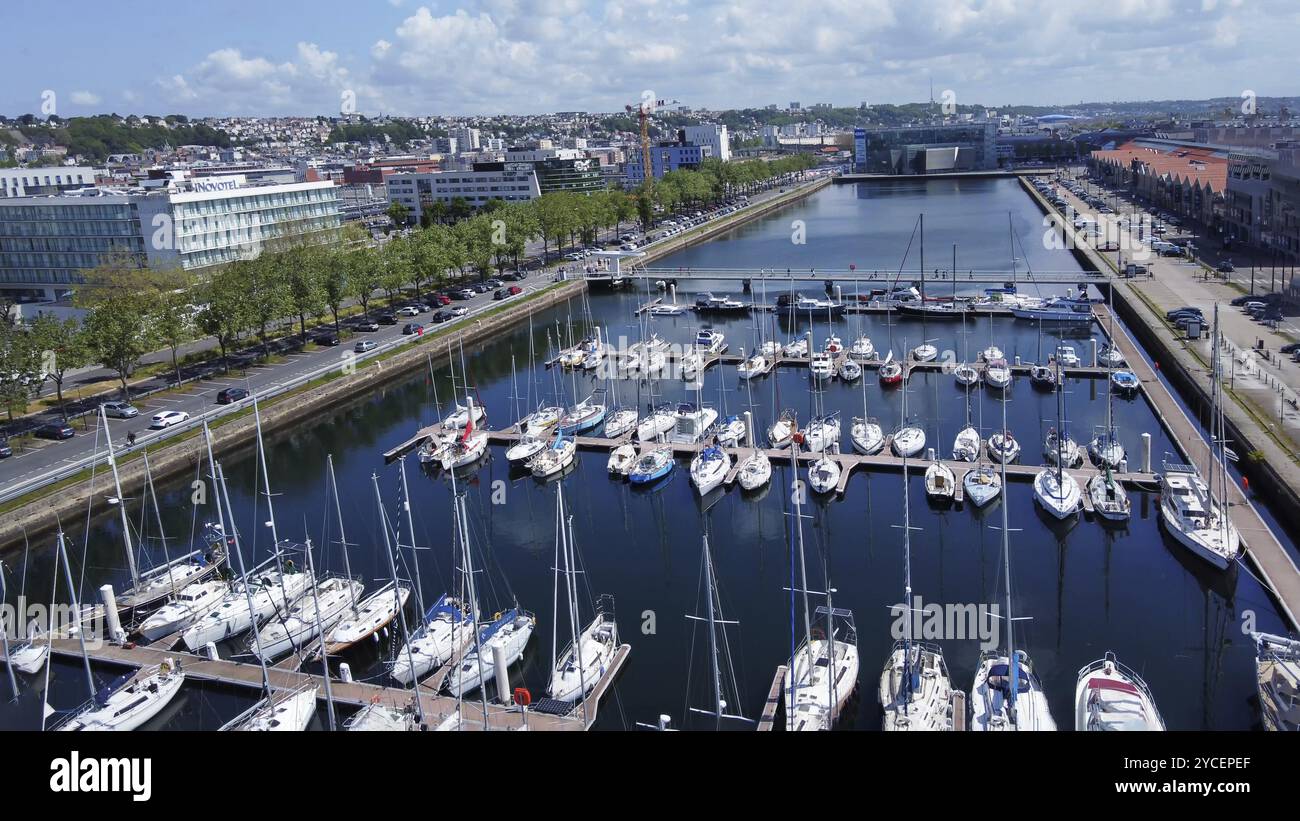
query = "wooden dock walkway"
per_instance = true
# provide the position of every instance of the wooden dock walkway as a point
(774, 695)
(1270, 558)
(434, 705)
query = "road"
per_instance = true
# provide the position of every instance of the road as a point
(36, 462)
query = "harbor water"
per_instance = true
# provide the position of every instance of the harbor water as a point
(1086, 588)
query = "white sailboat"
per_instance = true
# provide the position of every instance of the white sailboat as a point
(824, 474)
(620, 422)
(1054, 489)
(981, 485)
(554, 459)
(1277, 677)
(1007, 694)
(660, 422)
(915, 688)
(1003, 447)
(940, 483)
(781, 432)
(709, 469)
(822, 433)
(1109, 498)
(621, 459)
(997, 374)
(823, 671)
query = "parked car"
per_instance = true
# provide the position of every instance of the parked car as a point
(412, 328)
(5, 450)
(459, 310)
(1238, 301)
(515, 290)
(480, 287)
(408, 310)
(365, 345)
(463, 293)
(121, 410)
(1290, 347)
(229, 396)
(370, 326)
(1184, 310)
(55, 430)
(501, 293)
(1225, 267)
(387, 319)
(442, 316)
(494, 283)
(168, 418)
(326, 340)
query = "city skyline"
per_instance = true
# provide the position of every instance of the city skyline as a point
(477, 57)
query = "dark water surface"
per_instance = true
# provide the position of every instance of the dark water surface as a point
(1088, 588)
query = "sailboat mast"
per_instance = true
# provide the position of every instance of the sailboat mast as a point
(223, 496)
(713, 636)
(270, 509)
(410, 526)
(343, 539)
(162, 537)
(574, 620)
(908, 683)
(1006, 565)
(397, 598)
(76, 609)
(462, 525)
(121, 502)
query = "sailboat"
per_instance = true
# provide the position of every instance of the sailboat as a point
(824, 473)
(1106, 450)
(864, 431)
(1109, 498)
(755, 469)
(555, 459)
(1054, 489)
(133, 698)
(781, 432)
(1277, 675)
(709, 468)
(1007, 694)
(1189, 508)
(915, 688)
(1110, 696)
(590, 652)
(908, 438)
(26, 655)
(823, 670)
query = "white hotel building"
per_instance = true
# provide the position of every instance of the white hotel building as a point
(508, 181)
(46, 242)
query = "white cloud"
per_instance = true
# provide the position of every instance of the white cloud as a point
(493, 56)
(84, 98)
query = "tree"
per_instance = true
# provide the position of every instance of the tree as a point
(395, 268)
(20, 367)
(363, 276)
(334, 282)
(119, 300)
(398, 213)
(303, 269)
(63, 348)
(225, 312)
(268, 297)
(172, 320)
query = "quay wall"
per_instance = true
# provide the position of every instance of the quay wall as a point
(183, 454)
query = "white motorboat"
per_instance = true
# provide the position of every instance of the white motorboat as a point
(730, 431)
(446, 629)
(1067, 356)
(554, 459)
(270, 591)
(466, 451)
(866, 435)
(781, 432)
(190, 604)
(621, 460)
(525, 448)
(302, 624)
(582, 664)
(908, 440)
(692, 424)
(797, 348)
(823, 674)
(824, 474)
(709, 469)
(584, 416)
(370, 616)
(1003, 447)
(620, 422)
(966, 444)
(660, 421)
(756, 365)
(1195, 518)
(862, 350)
(1066, 451)
(940, 483)
(982, 485)
(692, 362)
(850, 371)
(285, 711)
(997, 374)
(1110, 696)
(1057, 492)
(28, 656)
(1277, 677)
(1109, 356)
(925, 353)
(966, 375)
(822, 433)
(460, 417)
(510, 631)
(821, 365)
(755, 471)
(1109, 498)
(833, 345)
(992, 354)
(710, 341)
(129, 702)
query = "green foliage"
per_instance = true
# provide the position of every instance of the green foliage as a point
(400, 132)
(97, 137)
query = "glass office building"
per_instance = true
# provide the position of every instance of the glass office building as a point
(927, 149)
(47, 242)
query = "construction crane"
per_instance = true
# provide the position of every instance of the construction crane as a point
(643, 111)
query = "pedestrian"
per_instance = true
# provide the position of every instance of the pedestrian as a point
(130, 439)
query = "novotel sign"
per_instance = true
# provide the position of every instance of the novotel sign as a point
(208, 185)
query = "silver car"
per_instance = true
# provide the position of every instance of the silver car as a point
(121, 410)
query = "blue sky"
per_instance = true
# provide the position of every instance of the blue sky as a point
(525, 56)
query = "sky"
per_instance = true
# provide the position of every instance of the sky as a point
(403, 57)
